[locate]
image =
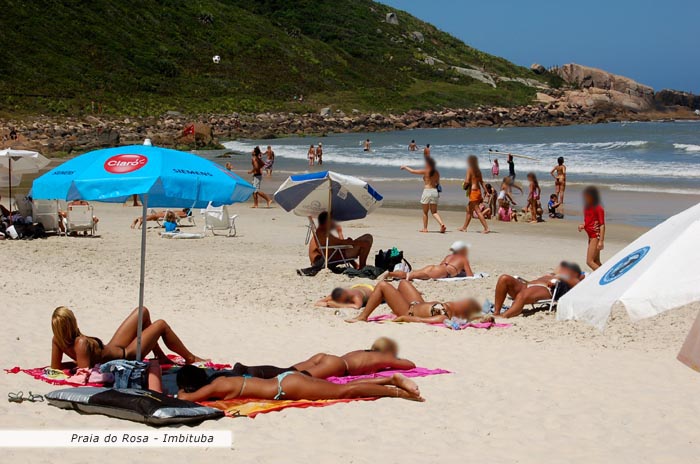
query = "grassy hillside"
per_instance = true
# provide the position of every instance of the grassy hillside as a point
(149, 56)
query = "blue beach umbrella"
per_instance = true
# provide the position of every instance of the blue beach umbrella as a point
(161, 177)
(345, 198)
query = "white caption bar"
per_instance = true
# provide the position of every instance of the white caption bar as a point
(162, 438)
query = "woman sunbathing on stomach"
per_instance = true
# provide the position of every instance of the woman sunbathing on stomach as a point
(408, 304)
(290, 386)
(454, 265)
(382, 356)
(354, 297)
(87, 351)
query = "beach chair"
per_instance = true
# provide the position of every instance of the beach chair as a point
(23, 205)
(549, 304)
(219, 218)
(80, 218)
(45, 212)
(336, 253)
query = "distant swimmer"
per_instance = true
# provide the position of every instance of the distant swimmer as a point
(312, 155)
(367, 145)
(319, 153)
(412, 146)
(426, 151)
(559, 174)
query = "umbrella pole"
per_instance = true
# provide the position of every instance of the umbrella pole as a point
(144, 225)
(330, 218)
(9, 204)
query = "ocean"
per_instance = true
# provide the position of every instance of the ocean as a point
(661, 158)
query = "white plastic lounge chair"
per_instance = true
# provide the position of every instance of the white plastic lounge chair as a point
(23, 205)
(219, 218)
(336, 255)
(549, 304)
(80, 218)
(46, 213)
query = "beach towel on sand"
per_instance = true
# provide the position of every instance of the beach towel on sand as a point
(461, 326)
(478, 275)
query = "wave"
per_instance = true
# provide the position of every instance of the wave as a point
(687, 147)
(602, 145)
(649, 189)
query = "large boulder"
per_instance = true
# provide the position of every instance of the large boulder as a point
(587, 77)
(538, 68)
(667, 97)
(417, 37)
(325, 112)
(391, 18)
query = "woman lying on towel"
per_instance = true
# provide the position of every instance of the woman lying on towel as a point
(87, 351)
(409, 306)
(290, 385)
(564, 278)
(382, 356)
(456, 264)
(159, 215)
(354, 297)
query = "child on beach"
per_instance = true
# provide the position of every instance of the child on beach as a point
(491, 201)
(594, 225)
(170, 221)
(495, 169)
(506, 202)
(533, 197)
(552, 206)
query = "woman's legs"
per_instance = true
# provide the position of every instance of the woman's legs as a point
(475, 207)
(506, 286)
(303, 387)
(562, 189)
(410, 292)
(593, 254)
(425, 273)
(126, 333)
(151, 335)
(436, 216)
(468, 219)
(425, 217)
(383, 292)
(526, 296)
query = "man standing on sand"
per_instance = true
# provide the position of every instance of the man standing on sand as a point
(258, 165)
(368, 145)
(426, 151)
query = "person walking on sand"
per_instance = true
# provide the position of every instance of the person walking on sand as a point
(311, 155)
(412, 146)
(367, 145)
(258, 164)
(269, 161)
(429, 199)
(474, 185)
(559, 174)
(594, 225)
(319, 154)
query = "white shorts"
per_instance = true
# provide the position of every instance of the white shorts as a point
(257, 180)
(430, 197)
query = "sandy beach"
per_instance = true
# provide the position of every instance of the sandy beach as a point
(539, 391)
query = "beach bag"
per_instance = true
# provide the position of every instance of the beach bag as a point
(388, 259)
(127, 374)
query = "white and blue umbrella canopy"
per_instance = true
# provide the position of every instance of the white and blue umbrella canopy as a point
(161, 177)
(170, 178)
(345, 197)
(655, 273)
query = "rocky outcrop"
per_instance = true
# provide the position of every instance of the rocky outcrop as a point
(476, 74)
(601, 87)
(669, 97)
(538, 68)
(391, 18)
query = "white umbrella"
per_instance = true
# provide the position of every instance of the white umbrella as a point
(14, 163)
(657, 272)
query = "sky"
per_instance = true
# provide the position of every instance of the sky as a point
(653, 42)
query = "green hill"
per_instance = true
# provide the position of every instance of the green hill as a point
(149, 56)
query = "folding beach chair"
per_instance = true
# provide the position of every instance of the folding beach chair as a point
(80, 218)
(219, 218)
(549, 304)
(45, 212)
(336, 255)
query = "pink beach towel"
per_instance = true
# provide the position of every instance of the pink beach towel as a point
(472, 325)
(415, 372)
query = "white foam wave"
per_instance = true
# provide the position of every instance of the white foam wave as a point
(687, 147)
(649, 189)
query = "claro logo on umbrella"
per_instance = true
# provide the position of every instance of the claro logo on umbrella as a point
(623, 266)
(125, 163)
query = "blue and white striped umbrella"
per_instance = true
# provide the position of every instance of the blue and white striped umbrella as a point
(345, 197)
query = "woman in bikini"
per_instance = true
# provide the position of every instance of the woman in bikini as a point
(87, 351)
(296, 386)
(564, 278)
(354, 297)
(383, 355)
(474, 184)
(431, 194)
(409, 306)
(455, 264)
(559, 174)
(312, 155)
